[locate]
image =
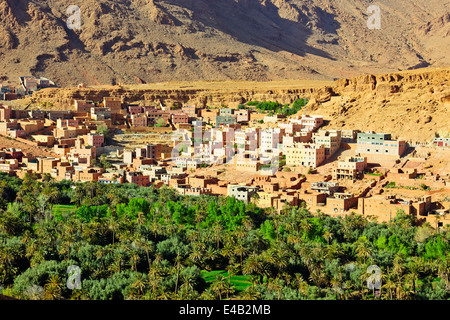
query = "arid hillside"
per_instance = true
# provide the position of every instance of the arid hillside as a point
(147, 41)
(412, 105)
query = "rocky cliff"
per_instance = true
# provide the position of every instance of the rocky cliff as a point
(412, 105)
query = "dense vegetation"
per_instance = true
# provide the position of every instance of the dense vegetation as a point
(277, 108)
(144, 243)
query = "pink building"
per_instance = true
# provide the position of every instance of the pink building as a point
(137, 178)
(96, 140)
(242, 115)
(5, 112)
(135, 109)
(61, 123)
(139, 120)
(180, 118)
(82, 106)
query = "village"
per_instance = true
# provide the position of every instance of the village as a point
(270, 159)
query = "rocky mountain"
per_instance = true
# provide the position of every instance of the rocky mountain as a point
(144, 41)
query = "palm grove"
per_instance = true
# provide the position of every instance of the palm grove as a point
(133, 242)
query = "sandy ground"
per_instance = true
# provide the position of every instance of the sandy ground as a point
(36, 151)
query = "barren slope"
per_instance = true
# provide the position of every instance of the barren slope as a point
(133, 41)
(412, 105)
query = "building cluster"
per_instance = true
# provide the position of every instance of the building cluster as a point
(204, 137)
(28, 85)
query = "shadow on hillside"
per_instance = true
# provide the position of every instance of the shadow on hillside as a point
(253, 23)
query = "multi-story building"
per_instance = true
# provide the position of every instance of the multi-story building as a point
(44, 140)
(305, 154)
(191, 111)
(350, 168)
(290, 128)
(98, 113)
(326, 187)
(385, 208)
(224, 120)
(379, 146)
(8, 165)
(31, 126)
(5, 112)
(154, 115)
(226, 112)
(138, 178)
(135, 109)
(152, 151)
(139, 120)
(247, 140)
(242, 115)
(113, 103)
(69, 132)
(309, 123)
(243, 193)
(83, 106)
(180, 118)
(128, 156)
(88, 174)
(59, 114)
(270, 140)
(331, 139)
(61, 123)
(95, 139)
(45, 165)
(288, 140)
(30, 83)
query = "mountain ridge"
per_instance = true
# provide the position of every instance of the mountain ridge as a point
(145, 41)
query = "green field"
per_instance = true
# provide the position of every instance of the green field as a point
(63, 209)
(240, 282)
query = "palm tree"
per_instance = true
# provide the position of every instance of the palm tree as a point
(113, 225)
(389, 283)
(414, 267)
(140, 284)
(134, 259)
(217, 231)
(250, 293)
(333, 251)
(53, 288)
(254, 265)
(221, 286)
(442, 266)
(363, 249)
(335, 282)
(100, 253)
(51, 193)
(276, 285)
(328, 236)
(178, 266)
(154, 279)
(240, 250)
